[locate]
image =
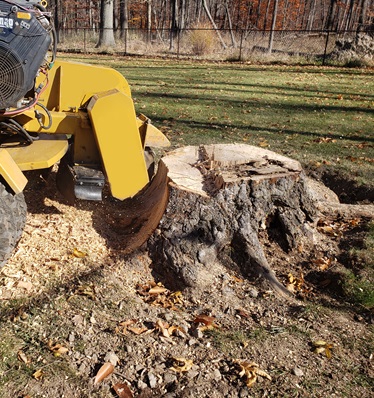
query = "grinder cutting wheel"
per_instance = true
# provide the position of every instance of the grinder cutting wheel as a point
(78, 116)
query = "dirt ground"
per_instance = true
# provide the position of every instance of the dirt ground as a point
(71, 302)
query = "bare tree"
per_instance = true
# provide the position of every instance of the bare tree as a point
(213, 23)
(106, 38)
(123, 18)
(174, 22)
(273, 25)
(233, 41)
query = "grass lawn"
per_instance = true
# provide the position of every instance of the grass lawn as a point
(321, 116)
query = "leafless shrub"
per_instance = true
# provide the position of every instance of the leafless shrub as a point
(202, 40)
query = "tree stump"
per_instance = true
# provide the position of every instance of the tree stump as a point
(223, 198)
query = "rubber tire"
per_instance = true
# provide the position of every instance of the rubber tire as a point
(12, 221)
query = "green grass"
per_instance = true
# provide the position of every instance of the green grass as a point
(321, 116)
(358, 284)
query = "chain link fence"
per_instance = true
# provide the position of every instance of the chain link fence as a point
(214, 45)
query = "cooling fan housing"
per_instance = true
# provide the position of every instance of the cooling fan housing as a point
(24, 43)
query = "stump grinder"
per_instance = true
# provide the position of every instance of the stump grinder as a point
(78, 117)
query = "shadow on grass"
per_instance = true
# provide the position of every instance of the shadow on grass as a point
(252, 128)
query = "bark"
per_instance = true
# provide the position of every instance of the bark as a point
(213, 24)
(123, 18)
(233, 41)
(174, 23)
(273, 26)
(222, 199)
(106, 38)
(149, 20)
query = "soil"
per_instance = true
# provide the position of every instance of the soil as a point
(72, 301)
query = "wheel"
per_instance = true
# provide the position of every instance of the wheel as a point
(12, 222)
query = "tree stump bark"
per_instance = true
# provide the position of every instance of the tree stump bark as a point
(222, 199)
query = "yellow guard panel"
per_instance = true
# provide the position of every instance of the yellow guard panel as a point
(113, 119)
(40, 154)
(11, 172)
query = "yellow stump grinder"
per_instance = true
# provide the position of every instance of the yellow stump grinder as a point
(79, 117)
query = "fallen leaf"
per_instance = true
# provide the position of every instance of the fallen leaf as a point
(158, 295)
(38, 374)
(86, 290)
(181, 365)
(78, 253)
(322, 263)
(322, 347)
(137, 330)
(123, 390)
(263, 144)
(251, 370)
(205, 319)
(104, 372)
(163, 328)
(157, 290)
(23, 357)
(57, 349)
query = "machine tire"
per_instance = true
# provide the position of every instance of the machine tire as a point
(12, 222)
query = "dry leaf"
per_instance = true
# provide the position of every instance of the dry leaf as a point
(205, 319)
(158, 295)
(38, 374)
(23, 357)
(137, 330)
(263, 144)
(129, 325)
(251, 370)
(163, 328)
(295, 284)
(322, 263)
(157, 290)
(86, 290)
(181, 365)
(104, 372)
(57, 349)
(322, 347)
(123, 390)
(78, 253)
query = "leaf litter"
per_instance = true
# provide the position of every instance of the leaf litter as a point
(144, 322)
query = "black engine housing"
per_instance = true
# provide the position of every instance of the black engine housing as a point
(24, 43)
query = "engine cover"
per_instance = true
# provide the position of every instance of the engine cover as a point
(24, 43)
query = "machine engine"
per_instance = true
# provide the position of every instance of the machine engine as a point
(26, 36)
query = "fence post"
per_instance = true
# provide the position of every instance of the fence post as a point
(178, 41)
(325, 50)
(241, 45)
(126, 32)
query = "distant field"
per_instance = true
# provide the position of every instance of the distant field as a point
(322, 116)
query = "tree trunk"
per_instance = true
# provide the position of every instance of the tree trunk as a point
(106, 38)
(123, 19)
(273, 26)
(174, 23)
(213, 24)
(149, 20)
(225, 201)
(233, 41)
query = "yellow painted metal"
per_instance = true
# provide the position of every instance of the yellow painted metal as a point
(11, 172)
(41, 154)
(72, 84)
(114, 122)
(153, 136)
(106, 132)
